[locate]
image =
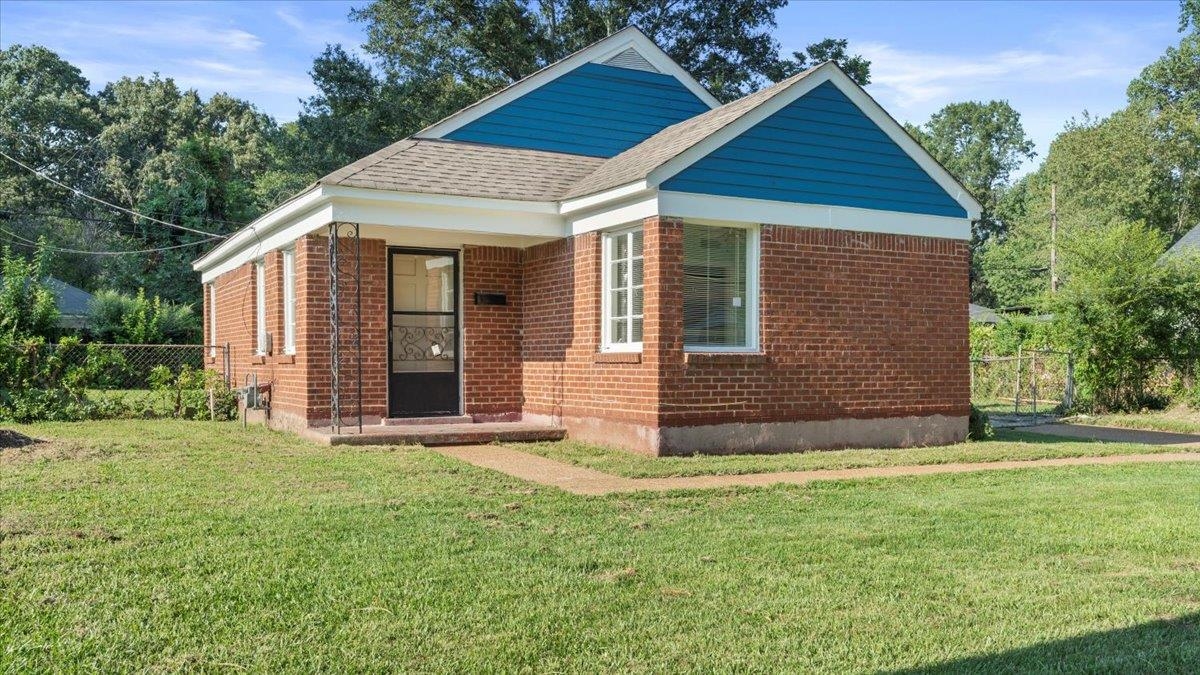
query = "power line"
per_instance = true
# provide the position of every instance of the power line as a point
(108, 204)
(22, 241)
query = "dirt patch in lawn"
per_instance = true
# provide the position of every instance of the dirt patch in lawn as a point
(17, 447)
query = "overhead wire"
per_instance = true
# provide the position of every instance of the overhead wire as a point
(23, 241)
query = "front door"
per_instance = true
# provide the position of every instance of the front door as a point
(423, 335)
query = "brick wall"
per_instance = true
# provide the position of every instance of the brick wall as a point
(301, 384)
(853, 326)
(492, 333)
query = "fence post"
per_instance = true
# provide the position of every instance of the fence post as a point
(1017, 390)
(1069, 394)
(227, 366)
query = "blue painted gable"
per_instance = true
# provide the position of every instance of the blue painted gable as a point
(819, 149)
(595, 110)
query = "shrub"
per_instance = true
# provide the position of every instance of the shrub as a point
(979, 426)
(136, 319)
(27, 305)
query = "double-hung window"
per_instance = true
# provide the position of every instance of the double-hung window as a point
(720, 288)
(289, 301)
(623, 293)
(260, 306)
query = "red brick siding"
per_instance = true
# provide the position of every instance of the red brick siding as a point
(853, 325)
(301, 384)
(562, 375)
(492, 333)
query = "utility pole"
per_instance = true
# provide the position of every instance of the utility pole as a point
(1053, 238)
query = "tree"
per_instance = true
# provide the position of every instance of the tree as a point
(1123, 312)
(27, 305)
(830, 49)
(982, 144)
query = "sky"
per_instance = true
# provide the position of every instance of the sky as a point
(1050, 60)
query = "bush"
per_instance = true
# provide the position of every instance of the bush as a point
(27, 305)
(44, 382)
(979, 426)
(136, 319)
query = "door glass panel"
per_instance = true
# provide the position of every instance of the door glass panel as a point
(423, 343)
(424, 330)
(422, 283)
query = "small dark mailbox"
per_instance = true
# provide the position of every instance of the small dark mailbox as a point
(482, 298)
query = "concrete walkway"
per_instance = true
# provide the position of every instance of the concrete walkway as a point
(583, 481)
(1091, 432)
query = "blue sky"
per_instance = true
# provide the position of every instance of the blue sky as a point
(1051, 60)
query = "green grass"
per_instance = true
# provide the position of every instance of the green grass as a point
(130, 546)
(1008, 445)
(1178, 420)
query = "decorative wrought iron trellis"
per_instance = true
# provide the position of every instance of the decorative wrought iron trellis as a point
(345, 268)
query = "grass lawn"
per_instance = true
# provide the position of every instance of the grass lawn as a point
(1179, 420)
(1008, 445)
(196, 546)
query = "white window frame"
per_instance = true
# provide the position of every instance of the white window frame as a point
(260, 307)
(212, 319)
(606, 343)
(752, 274)
(289, 301)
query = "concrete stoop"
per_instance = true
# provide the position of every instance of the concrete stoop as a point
(438, 433)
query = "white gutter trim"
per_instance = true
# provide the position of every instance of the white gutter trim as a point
(572, 205)
(431, 199)
(269, 221)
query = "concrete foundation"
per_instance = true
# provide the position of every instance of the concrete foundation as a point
(893, 432)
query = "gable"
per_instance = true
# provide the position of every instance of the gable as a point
(819, 149)
(595, 109)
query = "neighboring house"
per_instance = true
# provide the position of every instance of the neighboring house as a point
(981, 314)
(1188, 244)
(602, 245)
(74, 304)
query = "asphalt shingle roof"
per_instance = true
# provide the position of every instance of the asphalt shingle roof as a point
(438, 166)
(1189, 243)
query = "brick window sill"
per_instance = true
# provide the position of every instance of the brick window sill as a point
(617, 357)
(284, 359)
(725, 358)
(258, 360)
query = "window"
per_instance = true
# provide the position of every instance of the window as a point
(720, 303)
(289, 301)
(260, 306)
(212, 320)
(622, 302)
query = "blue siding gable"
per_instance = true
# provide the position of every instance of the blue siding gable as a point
(595, 110)
(819, 149)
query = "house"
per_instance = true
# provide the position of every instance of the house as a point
(604, 247)
(1188, 244)
(74, 304)
(981, 314)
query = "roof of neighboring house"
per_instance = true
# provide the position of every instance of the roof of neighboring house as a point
(637, 162)
(981, 314)
(466, 169)
(71, 301)
(1189, 243)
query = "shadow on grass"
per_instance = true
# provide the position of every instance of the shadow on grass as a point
(1165, 646)
(1034, 437)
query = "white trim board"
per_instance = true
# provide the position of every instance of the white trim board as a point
(700, 208)
(828, 72)
(626, 38)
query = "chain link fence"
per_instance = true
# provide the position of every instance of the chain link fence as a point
(1025, 387)
(118, 366)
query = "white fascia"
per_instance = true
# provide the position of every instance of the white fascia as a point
(596, 53)
(699, 208)
(826, 73)
(324, 204)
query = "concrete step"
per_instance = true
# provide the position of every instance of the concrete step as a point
(422, 421)
(439, 434)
